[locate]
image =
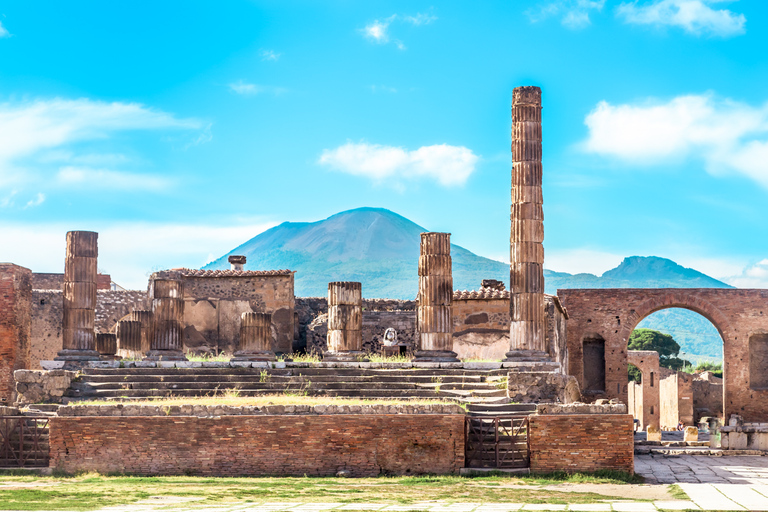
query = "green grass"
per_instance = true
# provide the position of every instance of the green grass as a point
(677, 493)
(90, 490)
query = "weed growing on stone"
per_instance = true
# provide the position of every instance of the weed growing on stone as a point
(437, 380)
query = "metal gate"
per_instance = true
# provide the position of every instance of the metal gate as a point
(496, 442)
(24, 441)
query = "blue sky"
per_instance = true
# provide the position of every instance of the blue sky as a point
(178, 130)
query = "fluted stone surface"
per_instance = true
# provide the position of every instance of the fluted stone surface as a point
(106, 345)
(526, 274)
(255, 338)
(129, 339)
(345, 322)
(167, 320)
(146, 318)
(434, 318)
(79, 297)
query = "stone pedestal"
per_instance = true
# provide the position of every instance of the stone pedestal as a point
(129, 338)
(79, 314)
(168, 315)
(434, 320)
(345, 322)
(527, 332)
(255, 338)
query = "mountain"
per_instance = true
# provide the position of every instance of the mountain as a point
(381, 249)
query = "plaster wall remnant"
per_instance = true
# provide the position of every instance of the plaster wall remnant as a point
(345, 321)
(737, 314)
(167, 314)
(648, 408)
(435, 297)
(15, 298)
(79, 319)
(129, 339)
(255, 338)
(527, 334)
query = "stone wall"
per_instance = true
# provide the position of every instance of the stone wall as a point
(707, 396)
(47, 317)
(612, 314)
(581, 442)
(647, 409)
(53, 281)
(15, 299)
(215, 299)
(481, 327)
(676, 397)
(40, 386)
(364, 445)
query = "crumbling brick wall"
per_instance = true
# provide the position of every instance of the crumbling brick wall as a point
(581, 442)
(15, 298)
(397, 444)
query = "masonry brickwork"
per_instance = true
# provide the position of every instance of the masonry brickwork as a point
(646, 406)
(15, 298)
(581, 442)
(612, 314)
(364, 445)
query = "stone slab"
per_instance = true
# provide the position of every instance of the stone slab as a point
(52, 365)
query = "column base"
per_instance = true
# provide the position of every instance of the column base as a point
(435, 356)
(76, 355)
(536, 356)
(265, 355)
(165, 355)
(346, 356)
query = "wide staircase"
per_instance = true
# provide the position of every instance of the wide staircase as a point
(471, 386)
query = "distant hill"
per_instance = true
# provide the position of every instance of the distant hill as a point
(381, 248)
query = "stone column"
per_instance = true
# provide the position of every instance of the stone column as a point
(345, 322)
(255, 338)
(434, 317)
(129, 339)
(168, 315)
(146, 318)
(527, 332)
(236, 262)
(106, 345)
(78, 334)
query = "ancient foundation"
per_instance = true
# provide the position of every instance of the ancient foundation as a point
(80, 284)
(168, 314)
(527, 332)
(345, 322)
(255, 338)
(435, 296)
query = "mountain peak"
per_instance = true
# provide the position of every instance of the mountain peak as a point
(654, 268)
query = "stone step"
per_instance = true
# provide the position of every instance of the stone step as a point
(281, 378)
(447, 372)
(295, 383)
(503, 409)
(351, 393)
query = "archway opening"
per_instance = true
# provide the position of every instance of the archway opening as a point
(689, 382)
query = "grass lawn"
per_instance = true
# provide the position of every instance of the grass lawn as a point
(91, 491)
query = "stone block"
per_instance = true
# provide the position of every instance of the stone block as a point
(241, 364)
(298, 364)
(102, 364)
(146, 364)
(166, 364)
(653, 434)
(215, 364)
(691, 434)
(261, 364)
(426, 365)
(52, 365)
(189, 364)
(452, 365)
(737, 441)
(472, 365)
(279, 364)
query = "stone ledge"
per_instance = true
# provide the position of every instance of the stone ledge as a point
(469, 365)
(579, 408)
(266, 410)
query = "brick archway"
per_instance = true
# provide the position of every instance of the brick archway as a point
(614, 314)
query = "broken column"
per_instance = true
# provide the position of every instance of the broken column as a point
(345, 322)
(106, 345)
(129, 339)
(168, 316)
(80, 269)
(236, 262)
(435, 296)
(145, 317)
(527, 333)
(255, 338)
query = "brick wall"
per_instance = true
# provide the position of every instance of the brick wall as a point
(365, 445)
(15, 297)
(581, 442)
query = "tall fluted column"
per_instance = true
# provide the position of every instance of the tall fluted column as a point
(255, 338)
(435, 318)
(527, 333)
(80, 269)
(168, 316)
(345, 322)
(129, 339)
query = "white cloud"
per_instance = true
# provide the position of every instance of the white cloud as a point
(577, 261)
(420, 19)
(127, 251)
(377, 30)
(449, 165)
(269, 55)
(247, 89)
(3, 31)
(726, 135)
(572, 13)
(694, 16)
(84, 177)
(38, 200)
(753, 276)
